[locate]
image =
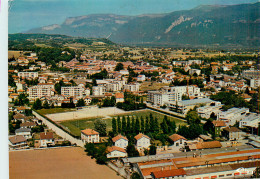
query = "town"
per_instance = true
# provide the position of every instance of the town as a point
(143, 112)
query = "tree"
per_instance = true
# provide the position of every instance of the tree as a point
(147, 125)
(156, 125)
(94, 82)
(152, 150)
(37, 104)
(46, 105)
(152, 123)
(119, 126)
(135, 175)
(142, 124)
(119, 67)
(123, 125)
(185, 97)
(192, 117)
(137, 125)
(164, 125)
(80, 103)
(131, 151)
(128, 125)
(101, 127)
(133, 125)
(209, 127)
(114, 127)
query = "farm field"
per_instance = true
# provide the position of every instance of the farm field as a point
(75, 126)
(55, 110)
(56, 163)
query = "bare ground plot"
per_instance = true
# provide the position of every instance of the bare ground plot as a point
(149, 86)
(88, 112)
(14, 54)
(56, 163)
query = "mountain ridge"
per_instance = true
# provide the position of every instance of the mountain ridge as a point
(235, 25)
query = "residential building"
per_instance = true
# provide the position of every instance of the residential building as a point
(28, 74)
(219, 125)
(120, 141)
(141, 78)
(38, 92)
(28, 125)
(119, 97)
(142, 141)
(255, 82)
(98, 90)
(207, 111)
(112, 87)
(252, 73)
(178, 141)
(193, 71)
(116, 152)
(74, 91)
(46, 139)
(232, 133)
(26, 132)
(17, 142)
(132, 87)
(89, 136)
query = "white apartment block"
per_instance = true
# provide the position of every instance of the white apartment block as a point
(172, 94)
(39, 91)
(112, 87)
(98, 90)
(251, 73)
(47, 85)
(28, 74)
(232, 115)
(255, 82)
(250, 120)
(74, 91)
(132, 87)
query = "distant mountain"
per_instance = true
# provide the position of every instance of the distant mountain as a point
(234, 25)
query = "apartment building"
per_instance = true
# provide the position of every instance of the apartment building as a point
(193, 71)
(112, 87)
(132, 87)
(74, 91)
(252, 73)
(254, 82)
(98, 90)
(40, 91)
(206, 111)
(173, 94)
(232, 115)
(28, 74)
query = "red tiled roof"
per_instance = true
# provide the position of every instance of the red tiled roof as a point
(232, 129)
(219, 123)
(17, 139)
(46, 135)
(119, 95)
(169, 173)
(89, 132)
(116, 138)
(208, 145)
(140, 135)
(114, 148)
(175, 137)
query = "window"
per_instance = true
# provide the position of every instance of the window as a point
(221, 175)
(177, 144)
(229, 174)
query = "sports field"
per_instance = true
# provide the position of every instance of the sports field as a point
(56, 163)
(75, 126)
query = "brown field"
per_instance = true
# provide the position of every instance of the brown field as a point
(14, 54)
(56, 163)
(148, 86)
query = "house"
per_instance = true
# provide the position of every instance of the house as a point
(141, 78)
(232, 133)
(178, 141)
(173, 173)
(46, 139)
(120, 141)
(119, 97)
(116, 152)
(28, 125)
(219, 125)
(142, 141)
(26, 132)
(87, 101)
(89, 136)
(20, 117)
(18, 142)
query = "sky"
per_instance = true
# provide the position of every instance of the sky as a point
(28, 14)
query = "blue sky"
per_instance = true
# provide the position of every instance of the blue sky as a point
(27, 14)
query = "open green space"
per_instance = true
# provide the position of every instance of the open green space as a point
(75, 126)
(55, 110)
